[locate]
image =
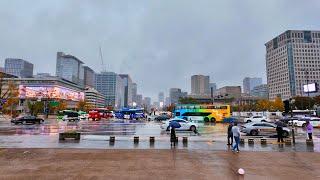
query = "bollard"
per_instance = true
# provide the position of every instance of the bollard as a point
(250, 141)
(241, 141)
(287, 141)
(112, 138)
(309, 142)
(177, 139)
(263, 141)
(136, 139)
(185, 139)
(152, 139)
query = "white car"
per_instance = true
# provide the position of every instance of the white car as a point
(315, 122)
(255, 119)
(185, 125)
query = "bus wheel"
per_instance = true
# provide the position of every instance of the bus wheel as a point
(206, 119)
(213, 120)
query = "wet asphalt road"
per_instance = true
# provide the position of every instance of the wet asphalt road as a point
(94, 134)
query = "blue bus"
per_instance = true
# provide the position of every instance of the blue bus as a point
(127, 113)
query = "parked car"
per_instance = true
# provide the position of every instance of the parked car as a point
(162, 117)
(71, 116)
(315, 122)
(151, 117)
(262, 129)
(185, 125)
(27, 120)
(255, 119)
(288, 120)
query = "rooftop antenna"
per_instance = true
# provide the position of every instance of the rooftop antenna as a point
(102, 64)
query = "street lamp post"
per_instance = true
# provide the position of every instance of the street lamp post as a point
(292, 128)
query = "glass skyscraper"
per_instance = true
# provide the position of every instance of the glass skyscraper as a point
(70, 68)
(18, 67)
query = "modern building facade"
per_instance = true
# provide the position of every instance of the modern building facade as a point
(94, 98)
(260, 91)
(89, 77)
(200, 85)
(111, 86)
(134, 90)
(70, 68)
(139, 99)
(250, 83)
(229, 91)
(50, 89)
(18, 67)
(175, 94)
(292, 60)
(212, 88)
(161, 98)
(127, 83)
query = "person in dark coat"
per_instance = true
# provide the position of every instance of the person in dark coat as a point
(279, 130)
(230, 135)
(173, 136)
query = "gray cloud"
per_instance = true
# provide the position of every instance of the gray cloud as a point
(159, 43)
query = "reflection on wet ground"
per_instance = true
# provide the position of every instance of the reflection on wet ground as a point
(95, 134)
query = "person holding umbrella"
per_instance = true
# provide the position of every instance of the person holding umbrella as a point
(279, 130)
(309, 129)
(173, 125)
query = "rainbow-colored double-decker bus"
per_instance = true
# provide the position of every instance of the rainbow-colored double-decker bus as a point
(202, 112)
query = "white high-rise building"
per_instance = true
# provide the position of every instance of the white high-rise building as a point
(292, 60)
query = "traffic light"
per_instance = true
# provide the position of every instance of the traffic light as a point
(286, 106)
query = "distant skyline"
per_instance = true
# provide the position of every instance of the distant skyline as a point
(161, 44)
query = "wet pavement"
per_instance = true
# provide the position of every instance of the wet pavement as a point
(95, 135)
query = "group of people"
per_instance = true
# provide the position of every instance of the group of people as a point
(234, 133)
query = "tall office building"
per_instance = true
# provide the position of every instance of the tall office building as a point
(229, 91)
(161, 97)
(260, 91)
(89, 77)
(134, 90)
(70, 68)
(147, 102)
(111, 86)
(139, 100)
(250, 83)
(292, 60)
(18, 67)
(213, 88)
(200, 85)
(127, 89)
(175, 94)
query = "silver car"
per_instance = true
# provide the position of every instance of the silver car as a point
(263, 129)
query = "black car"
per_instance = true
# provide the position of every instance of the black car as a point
(27, 120)
(162, 117)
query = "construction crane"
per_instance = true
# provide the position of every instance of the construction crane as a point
(102, 62)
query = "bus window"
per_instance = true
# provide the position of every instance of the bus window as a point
(177, 113)
(203, 107)
(197, 107)
(191, 107)
(223, 107)
(210, 107)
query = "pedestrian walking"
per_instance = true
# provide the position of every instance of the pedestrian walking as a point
(230, 136)
(279, 130)
(309, 128)
(173, 136)
(236, 134)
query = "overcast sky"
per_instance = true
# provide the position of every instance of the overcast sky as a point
(159, 43)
